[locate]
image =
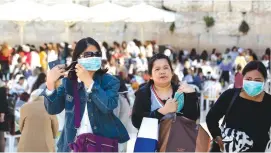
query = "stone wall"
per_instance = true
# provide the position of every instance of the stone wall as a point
(190, 28)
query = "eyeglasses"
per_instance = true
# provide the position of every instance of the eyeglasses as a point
(91, 54)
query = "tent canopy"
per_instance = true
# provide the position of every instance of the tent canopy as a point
(148, 13)
(21, 11)
(107, 12)
(68, 12)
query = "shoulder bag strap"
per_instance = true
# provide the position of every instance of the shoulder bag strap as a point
(76, 105)
(236, 93)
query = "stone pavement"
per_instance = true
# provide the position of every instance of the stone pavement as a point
(132, 132)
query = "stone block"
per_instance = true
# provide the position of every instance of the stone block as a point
(179, 5)
(241, 6)
(262, 6)
(221, 6)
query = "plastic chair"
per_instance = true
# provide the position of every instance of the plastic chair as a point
(268, 86)
(11, 141)
(208, 95)
(195, 87)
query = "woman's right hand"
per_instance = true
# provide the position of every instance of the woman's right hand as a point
(2, 117)
(53, 75)
(219, 141)
(170, 107)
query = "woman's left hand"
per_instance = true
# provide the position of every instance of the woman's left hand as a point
(84, 75)
(185, 88)
(2, 117)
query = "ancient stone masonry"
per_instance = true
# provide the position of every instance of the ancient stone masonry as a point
(190, 30)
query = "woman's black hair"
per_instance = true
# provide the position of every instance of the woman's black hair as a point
(227, 50)
(105, 45)
(193, 54)
(255, 65)
(267, 51)
(80, 47)
(214, 51)
(157, 57)
(204, 55)
(233, 48)
(20, 48)
(180, 56)
(42, 48)
(40, 80)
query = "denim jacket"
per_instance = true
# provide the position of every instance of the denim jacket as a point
(101, 102)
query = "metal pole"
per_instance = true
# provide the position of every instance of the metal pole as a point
(21, 26)
(21, 34)
(67, 32)
(141, 32)
(198, 45)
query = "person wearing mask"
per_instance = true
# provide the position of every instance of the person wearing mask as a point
(248, 117)
(3, 113)
(251, 56)
(38, 128)
(240, 59)
(32, 79)
(238, 78)
(52, 54)
(5, 55)
(98, 97)
(211, 87)
(149, 50)
(19, 88)
(266, 58)
(204, 55)
(35, 58)
(155, 99)
(43, 59)
(234, 53)
(40, 82)
(199, 79)
(226, 67)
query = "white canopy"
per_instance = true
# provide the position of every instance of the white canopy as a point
(67, 12)
(107, 12)
(147, 13)
(21, 10)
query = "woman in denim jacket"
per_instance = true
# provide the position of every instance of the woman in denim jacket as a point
(98, 92)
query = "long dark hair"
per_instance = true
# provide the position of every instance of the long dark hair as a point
(255, 65)
(40, 80)
(153, 59)
(80, 47)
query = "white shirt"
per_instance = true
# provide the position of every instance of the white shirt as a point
(85, 126)
(35, 60)
(52, 56)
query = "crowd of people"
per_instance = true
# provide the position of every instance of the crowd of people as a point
(114, 83)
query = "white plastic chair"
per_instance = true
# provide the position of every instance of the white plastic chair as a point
(208, 95)
(195, 87)
(268, 86)
(231, 86)
(11, 141)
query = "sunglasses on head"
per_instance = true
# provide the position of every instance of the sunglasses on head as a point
(91, 54)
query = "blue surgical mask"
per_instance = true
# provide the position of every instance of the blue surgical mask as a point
(91, 63)
(180, 100)
(253, 88)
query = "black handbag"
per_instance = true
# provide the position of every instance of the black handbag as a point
(214, 147)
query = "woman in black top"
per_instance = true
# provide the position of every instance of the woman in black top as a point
(3, 113)
(161, 72)
(250, 112)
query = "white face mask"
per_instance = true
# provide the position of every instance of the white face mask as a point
(253, 88)
(91, 63)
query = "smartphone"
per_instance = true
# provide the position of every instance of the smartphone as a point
(55, 63)
(72, 74)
